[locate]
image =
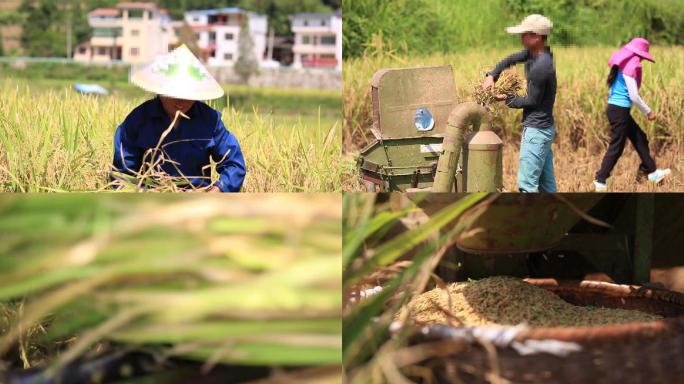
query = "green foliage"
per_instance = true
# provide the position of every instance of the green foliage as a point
(246, 64)
(9, 18)
(67, 72)
(41, 35)
(613, 22)
(407, 24)
(279, 11)
(419, 27)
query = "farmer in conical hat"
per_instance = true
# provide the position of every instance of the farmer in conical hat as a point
(535, 170)
(180, 81)
(624, 81)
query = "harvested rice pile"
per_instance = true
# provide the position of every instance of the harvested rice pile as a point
(510, 301)
(509, 83)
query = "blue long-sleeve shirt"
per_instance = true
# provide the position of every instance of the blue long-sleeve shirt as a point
(189, 144)
(625, 91)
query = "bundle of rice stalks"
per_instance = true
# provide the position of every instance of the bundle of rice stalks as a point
(509, 301)
(509, 84)
(249, 280)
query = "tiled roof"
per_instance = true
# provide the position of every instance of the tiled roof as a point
(104, 12)
(135, 5)
(201, 27)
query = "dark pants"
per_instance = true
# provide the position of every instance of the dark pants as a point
(623, 127)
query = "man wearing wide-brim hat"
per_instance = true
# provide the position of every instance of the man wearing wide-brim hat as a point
(535, 171)
(180, 82)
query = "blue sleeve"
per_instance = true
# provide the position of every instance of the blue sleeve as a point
(513, 59)
(230, 163)
(536, 83)
(127, 156)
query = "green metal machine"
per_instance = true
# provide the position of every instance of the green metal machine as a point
(425, 139)
(548, 235)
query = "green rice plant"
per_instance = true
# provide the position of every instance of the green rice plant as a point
(368, 250)
(53, 139)
(251, 280)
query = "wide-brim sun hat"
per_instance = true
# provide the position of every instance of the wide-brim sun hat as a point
(538, 24)
(178, 74)
(640, 47)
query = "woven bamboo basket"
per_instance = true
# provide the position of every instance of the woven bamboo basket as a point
(626, 353)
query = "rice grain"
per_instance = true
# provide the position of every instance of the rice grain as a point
(510, 301)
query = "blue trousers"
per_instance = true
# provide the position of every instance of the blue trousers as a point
(535, 172)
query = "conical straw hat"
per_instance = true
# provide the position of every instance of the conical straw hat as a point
(178, 74)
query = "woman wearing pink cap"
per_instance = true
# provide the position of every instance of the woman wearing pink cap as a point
(624, 81)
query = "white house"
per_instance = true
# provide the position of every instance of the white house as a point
(218, 32)
(317, 40)
(130, 32)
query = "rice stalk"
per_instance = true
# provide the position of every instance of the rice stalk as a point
(509, 83)
(166, 272)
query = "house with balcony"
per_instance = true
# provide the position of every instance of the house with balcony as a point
(218, 33)
(131, 32)
(317, 40)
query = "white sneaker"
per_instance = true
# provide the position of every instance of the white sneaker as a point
(658, 175)
(600, 187)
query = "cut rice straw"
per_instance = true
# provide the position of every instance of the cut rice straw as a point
(508, 83)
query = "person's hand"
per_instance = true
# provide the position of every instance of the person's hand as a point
(488, 82)
(500, 97)
(651, 116)
(213, 189)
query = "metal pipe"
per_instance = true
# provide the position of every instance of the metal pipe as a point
(462, 116)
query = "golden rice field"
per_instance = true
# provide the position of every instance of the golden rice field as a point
(582, 128)
(53, 139)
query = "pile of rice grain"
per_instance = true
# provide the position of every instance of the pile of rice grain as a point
(510, 301)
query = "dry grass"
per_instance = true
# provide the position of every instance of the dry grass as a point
(576, 173)
(583, 130)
